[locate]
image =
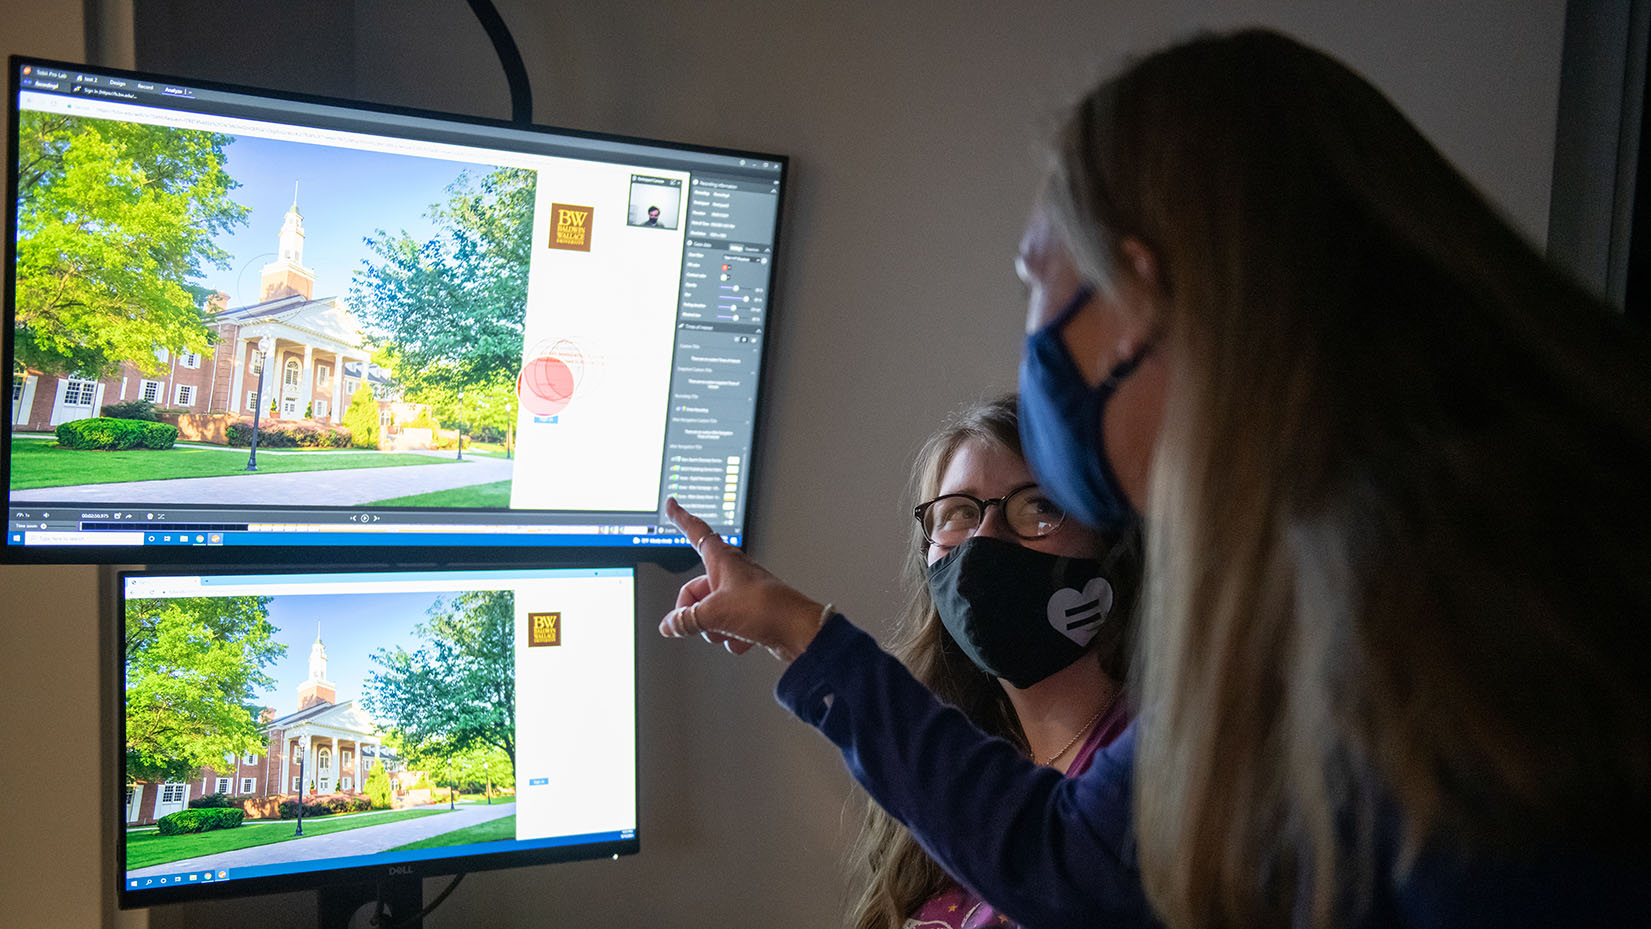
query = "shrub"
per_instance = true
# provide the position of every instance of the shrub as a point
(326, 806)
(106, 433)
(186, 821)
(131, 409)
(378, 786)
(214, 802)
(362, 417)
(288, 435)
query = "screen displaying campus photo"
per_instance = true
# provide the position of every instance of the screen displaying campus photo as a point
(282, 725)
(340, 325)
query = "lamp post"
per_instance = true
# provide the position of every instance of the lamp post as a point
(265, 344)
(450, 783)
(487, 774)
(460, 443)
(509, 430)
(298, 749)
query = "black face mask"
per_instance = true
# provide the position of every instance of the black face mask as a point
(1019, 614)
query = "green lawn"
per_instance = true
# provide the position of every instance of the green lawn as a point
(151, 848)
(491, 831)
(495, 495)
(37, 463)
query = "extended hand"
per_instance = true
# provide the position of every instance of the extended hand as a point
(736, 603)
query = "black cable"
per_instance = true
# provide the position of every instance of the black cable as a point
(378, 917)
(515, 72)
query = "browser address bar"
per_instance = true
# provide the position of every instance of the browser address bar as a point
(234, 125)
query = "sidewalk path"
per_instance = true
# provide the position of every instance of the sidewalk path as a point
(344, 487)
(364, 841)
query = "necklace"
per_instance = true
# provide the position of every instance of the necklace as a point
(1105, 708)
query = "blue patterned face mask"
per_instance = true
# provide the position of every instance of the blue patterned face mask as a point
(1060, 425)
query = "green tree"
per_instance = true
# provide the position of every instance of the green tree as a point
(361, 417)
(457, 691)
(192, 667)
(378, 786)
(115, 223)
(452, 307)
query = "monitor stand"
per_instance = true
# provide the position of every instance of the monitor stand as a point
(403, 898)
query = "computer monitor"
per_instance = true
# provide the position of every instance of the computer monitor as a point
(288, 731)
(249, 326)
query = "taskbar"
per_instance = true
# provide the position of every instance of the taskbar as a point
(400, 536)
(204, 872)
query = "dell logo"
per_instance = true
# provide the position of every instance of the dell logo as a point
(400, 869)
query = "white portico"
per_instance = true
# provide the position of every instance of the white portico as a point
(327, 736)
(314, 338)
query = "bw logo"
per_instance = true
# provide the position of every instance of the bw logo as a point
(544, 629)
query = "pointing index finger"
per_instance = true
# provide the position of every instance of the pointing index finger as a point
(692, 526)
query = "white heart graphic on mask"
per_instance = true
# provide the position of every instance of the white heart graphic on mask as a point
(1078, 614)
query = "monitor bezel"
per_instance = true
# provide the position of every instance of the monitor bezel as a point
(507, 550)
(112, 580)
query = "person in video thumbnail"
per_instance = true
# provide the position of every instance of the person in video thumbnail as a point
(990, 558)
(653, 216)
(1396, 660)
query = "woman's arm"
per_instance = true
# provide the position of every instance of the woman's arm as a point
(1047, 850)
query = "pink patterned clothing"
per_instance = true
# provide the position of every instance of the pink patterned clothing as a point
(957, 907)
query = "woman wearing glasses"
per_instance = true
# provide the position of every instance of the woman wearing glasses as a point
(1018, 616)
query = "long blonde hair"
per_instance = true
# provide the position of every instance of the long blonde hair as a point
(1398, 524)
(899, 875)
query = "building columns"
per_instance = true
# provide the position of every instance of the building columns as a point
(306, 382)
(236, 398)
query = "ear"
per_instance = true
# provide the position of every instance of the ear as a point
(1143, 262)
(1142, 293)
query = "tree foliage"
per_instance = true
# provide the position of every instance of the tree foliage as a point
(361, 417)
(115, 223)
(377, 787)
(193, 665)
(452, 307)
(457, 691)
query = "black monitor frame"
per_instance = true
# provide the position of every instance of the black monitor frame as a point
(340, 891)
(663, 546)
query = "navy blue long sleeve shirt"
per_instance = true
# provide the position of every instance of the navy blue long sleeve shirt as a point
(1054, 852)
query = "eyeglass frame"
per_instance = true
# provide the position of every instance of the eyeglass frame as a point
(921, 508)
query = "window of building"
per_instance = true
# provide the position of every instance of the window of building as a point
(257, 362)
(249, 759)
(323, 375)
(297, 786)
(190, 359)
(171, 793)
(252, 399)
(322, 408)
(349, 386)
(289, 406)
(151, 391)
(295, 748)
(324, 759)
(78, 392)
(17, 391)
(223, 785)
(247, 784)
(291, 372)
(384, 417)
(186, 395)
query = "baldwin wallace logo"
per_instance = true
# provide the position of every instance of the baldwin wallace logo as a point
(572, 229)
(544, 629)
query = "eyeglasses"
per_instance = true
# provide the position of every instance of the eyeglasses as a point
(950, 519)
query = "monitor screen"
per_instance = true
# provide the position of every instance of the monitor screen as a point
(285, 731)
(249, 326)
